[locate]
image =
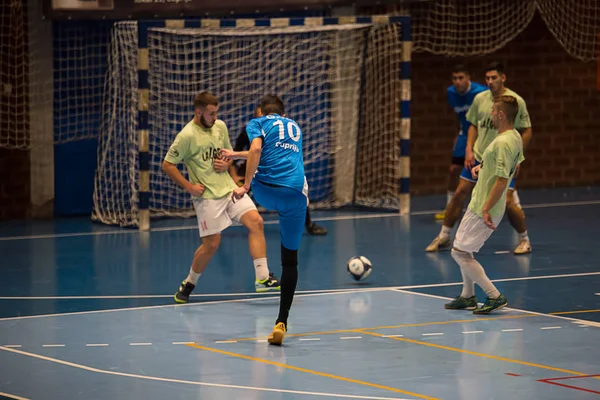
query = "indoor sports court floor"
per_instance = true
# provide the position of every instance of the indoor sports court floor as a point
(86, 312)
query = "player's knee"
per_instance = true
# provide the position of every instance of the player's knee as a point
(254, 221)
(460, 194)
(458, 255)
(464, 189)
(211, 243)
(510, 200)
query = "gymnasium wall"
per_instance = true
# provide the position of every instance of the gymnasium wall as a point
(563, 102)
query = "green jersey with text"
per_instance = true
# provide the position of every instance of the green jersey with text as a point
(480, 115)
(500, 159)
(197, 148)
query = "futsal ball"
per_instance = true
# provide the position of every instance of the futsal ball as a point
(359, 267)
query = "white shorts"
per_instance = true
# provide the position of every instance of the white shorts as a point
(215, 215)
(473, 232)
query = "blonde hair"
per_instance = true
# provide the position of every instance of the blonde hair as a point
(510, 107)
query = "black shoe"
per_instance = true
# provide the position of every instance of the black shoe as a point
(271, 283)
(316, 230)
(183, 294)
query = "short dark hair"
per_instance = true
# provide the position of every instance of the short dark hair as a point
(205, 98)
(510, 106)
(458, 68)
(271, 104)
(495, 66)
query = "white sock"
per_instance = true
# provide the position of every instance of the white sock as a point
(472, 269)
(516, 199)
(468, 289)
(523, 236)
(193, 277)
(261, 269)
(445, 232)
(449, 195)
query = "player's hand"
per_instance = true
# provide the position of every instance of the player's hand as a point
(220, 165)
(196, 190)
(469, 159)
(229, 154)
(487, 219)
(475, 171)
(239, 193)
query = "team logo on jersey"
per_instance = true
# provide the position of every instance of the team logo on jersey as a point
(286, 146)
(486, 123)
(211, 154)
(461, 109)
(173, 152)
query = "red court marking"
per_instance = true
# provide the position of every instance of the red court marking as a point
(552, 381)
(511, 374)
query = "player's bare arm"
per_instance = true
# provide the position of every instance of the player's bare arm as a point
(526, 135)
(234, 155)
(495, 195)
(469, 154)
(176, 176)
(251, 166)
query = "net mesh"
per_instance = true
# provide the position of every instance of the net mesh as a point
(115, 198)
(80, 53)
(318, 72)
(478, 27)
(14, 82)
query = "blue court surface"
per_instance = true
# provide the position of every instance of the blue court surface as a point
(87, 312)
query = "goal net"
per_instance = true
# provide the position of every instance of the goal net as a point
(341, 83)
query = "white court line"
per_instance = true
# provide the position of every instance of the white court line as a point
(12, 396)
(305, 294)
(309, 339)
(350, 337)
(179, 305)
(273, 222)
(183, 342)
(53, 345)
(502, 252)
(387, 336)
(13, 346)
(96, 345)
(550, 327)
(512, 330)
(169, 296)
(218, 385)
(226, 341)
(471, 332)
(276, 295)
(589, 323)
(432, 334)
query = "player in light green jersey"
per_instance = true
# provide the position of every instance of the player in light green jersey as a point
(198, 146)
(499, 162)
(481, 133)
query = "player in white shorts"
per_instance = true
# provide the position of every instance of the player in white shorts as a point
(499, 163)
(198, 146)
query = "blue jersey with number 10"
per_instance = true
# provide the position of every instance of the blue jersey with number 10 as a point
(281, 161)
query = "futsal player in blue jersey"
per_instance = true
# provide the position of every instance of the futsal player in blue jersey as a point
(275, 173)
(460, 97)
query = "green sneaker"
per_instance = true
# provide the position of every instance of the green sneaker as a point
(492, 305)
(460, 303)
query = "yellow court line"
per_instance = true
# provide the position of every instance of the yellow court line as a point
(474, 353)
(573, 312)
(374, 328)
(310, 371)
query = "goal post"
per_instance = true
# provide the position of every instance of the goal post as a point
(345, 80)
